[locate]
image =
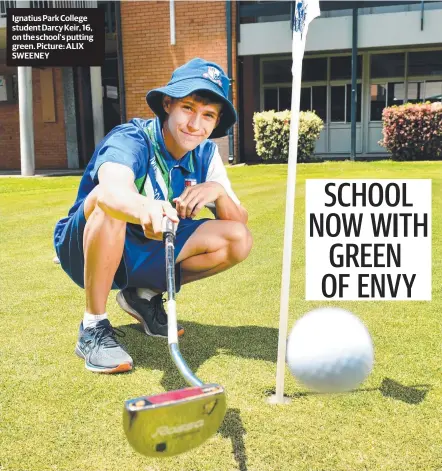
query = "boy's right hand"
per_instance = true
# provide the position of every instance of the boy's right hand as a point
(152, 216)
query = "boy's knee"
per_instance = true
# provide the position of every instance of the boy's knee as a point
(92, 202)
(241, 242)
(93, 209)
(101, 218)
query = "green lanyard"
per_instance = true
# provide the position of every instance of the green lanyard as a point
(159, 159)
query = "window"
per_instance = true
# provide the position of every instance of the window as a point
(378, 98)
(340, 67)
(315, 99)
(433, 90)
(112, 92)
(382, 95)
(319, 101)
(388, 65)
(337, 97)
(270, 99)
(277, 71)
(306, 99)
(285, 98)
(340, 93)
(8, 88)
(340, 102)
(3, 88)
(277, 98)
(395, 94)
(416, 92)
(277, 80)
(314, 70)
(425, 63)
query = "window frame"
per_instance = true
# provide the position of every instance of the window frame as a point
(321, 83)
(273, 85)
(406, 79)
(344, 83)
(328, 83)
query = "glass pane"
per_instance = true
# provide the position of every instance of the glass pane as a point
(305, 99)
(337, 104)
(378, 97)
(112, 92)
(358, 103)
(285, 98)
(433, 91)
(388, 65)
(396, 94)
(416, 92)
(425, 63)
(278, 71)
(3, 88)
(334, 13)
(389, 8)
(319, 105)
(340, 67)
(314, 69)
(270, 99)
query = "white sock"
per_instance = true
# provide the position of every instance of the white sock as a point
(91, 320)
(146, 293)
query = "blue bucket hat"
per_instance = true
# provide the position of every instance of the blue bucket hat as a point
(197, 75)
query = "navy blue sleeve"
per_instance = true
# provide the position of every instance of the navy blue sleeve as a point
(125, 145)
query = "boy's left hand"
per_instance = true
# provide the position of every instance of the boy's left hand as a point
(193, 198)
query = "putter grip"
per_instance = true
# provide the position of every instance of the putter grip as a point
(168, 227)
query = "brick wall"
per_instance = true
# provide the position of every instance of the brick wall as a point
(9, 130)
(149, 58)
(49, 138)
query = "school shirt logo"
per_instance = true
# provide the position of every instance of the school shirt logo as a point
(189, 182)
(214, 75)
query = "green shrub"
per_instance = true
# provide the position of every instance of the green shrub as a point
(272, 133)
(413, 131)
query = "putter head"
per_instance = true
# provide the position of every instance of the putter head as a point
(174, 422)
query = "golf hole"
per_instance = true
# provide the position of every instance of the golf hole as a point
(161, 446)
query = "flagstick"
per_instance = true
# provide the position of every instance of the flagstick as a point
(297, 54)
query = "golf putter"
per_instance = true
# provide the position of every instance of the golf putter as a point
(173, 422)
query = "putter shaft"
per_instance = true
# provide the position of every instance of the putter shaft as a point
(186, 372)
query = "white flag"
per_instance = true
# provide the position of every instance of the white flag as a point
(305, 12)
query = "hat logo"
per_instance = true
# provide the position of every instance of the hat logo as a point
(214, 75)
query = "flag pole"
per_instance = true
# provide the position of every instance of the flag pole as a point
(304, 12)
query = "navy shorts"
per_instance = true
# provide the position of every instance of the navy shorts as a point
(143, 261)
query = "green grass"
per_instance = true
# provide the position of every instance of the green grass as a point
(54, 415)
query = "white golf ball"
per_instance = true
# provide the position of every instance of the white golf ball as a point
(330, 350)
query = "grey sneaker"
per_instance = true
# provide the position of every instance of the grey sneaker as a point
(151, 313)
(100, 349)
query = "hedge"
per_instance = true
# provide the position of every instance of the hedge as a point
(272, 133)
(413, 131)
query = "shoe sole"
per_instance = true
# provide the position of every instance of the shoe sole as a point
(126, 308)
(121, 368)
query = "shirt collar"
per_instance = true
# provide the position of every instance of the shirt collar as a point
(185, 162)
